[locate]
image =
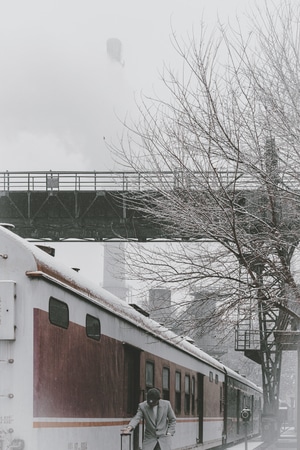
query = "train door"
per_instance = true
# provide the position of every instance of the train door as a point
(225, 408)
(132, 378)
(251, 406)
(200, 381)
(238, 411)
(132, 386)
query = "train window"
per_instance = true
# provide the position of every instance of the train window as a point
(93, 327)
(177, 393)
(149, 374)
(187, 394)
(217, 378)
(193, 395)
(211, 376)
(166, 383)
(246, 401)
(58, 313)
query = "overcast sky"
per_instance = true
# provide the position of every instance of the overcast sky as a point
(61, 94)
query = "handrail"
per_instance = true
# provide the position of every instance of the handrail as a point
(122, 181)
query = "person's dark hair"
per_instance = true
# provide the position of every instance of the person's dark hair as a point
(153, 394)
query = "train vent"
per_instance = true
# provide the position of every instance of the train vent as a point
(139, 309)
(189, 339)
(47, 249)
(8, 226)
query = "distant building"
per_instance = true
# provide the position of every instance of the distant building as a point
(200, 321)
(160, 305)
(114, 269)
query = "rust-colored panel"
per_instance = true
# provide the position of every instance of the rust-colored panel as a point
(75, 376)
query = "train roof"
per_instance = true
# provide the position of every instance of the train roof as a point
(43, 265)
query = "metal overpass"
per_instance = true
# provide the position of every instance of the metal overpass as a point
(85, 205)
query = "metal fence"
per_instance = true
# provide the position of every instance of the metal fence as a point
(119, 181)
(67, 181)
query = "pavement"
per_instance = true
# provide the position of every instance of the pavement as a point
(286, 441)
(252, 444)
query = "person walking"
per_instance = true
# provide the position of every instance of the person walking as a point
(159, 419)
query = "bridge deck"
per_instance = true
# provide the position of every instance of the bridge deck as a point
(97, 205)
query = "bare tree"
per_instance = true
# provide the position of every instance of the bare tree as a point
(224, 146)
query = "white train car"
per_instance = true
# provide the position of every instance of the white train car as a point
(75, 362)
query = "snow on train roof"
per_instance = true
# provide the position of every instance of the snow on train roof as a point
(48, 267)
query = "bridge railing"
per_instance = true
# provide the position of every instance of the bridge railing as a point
(70, 181)
(117, 181)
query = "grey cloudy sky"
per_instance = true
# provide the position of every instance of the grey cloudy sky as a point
(60, 92)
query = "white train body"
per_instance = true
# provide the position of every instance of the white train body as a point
(75, 361)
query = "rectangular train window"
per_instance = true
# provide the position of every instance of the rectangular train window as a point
(166, 383)
(187, 394)
(211, 376)
(177, 393)
(149, 375)
(58, 313)
(93, 327)
(246, 401)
